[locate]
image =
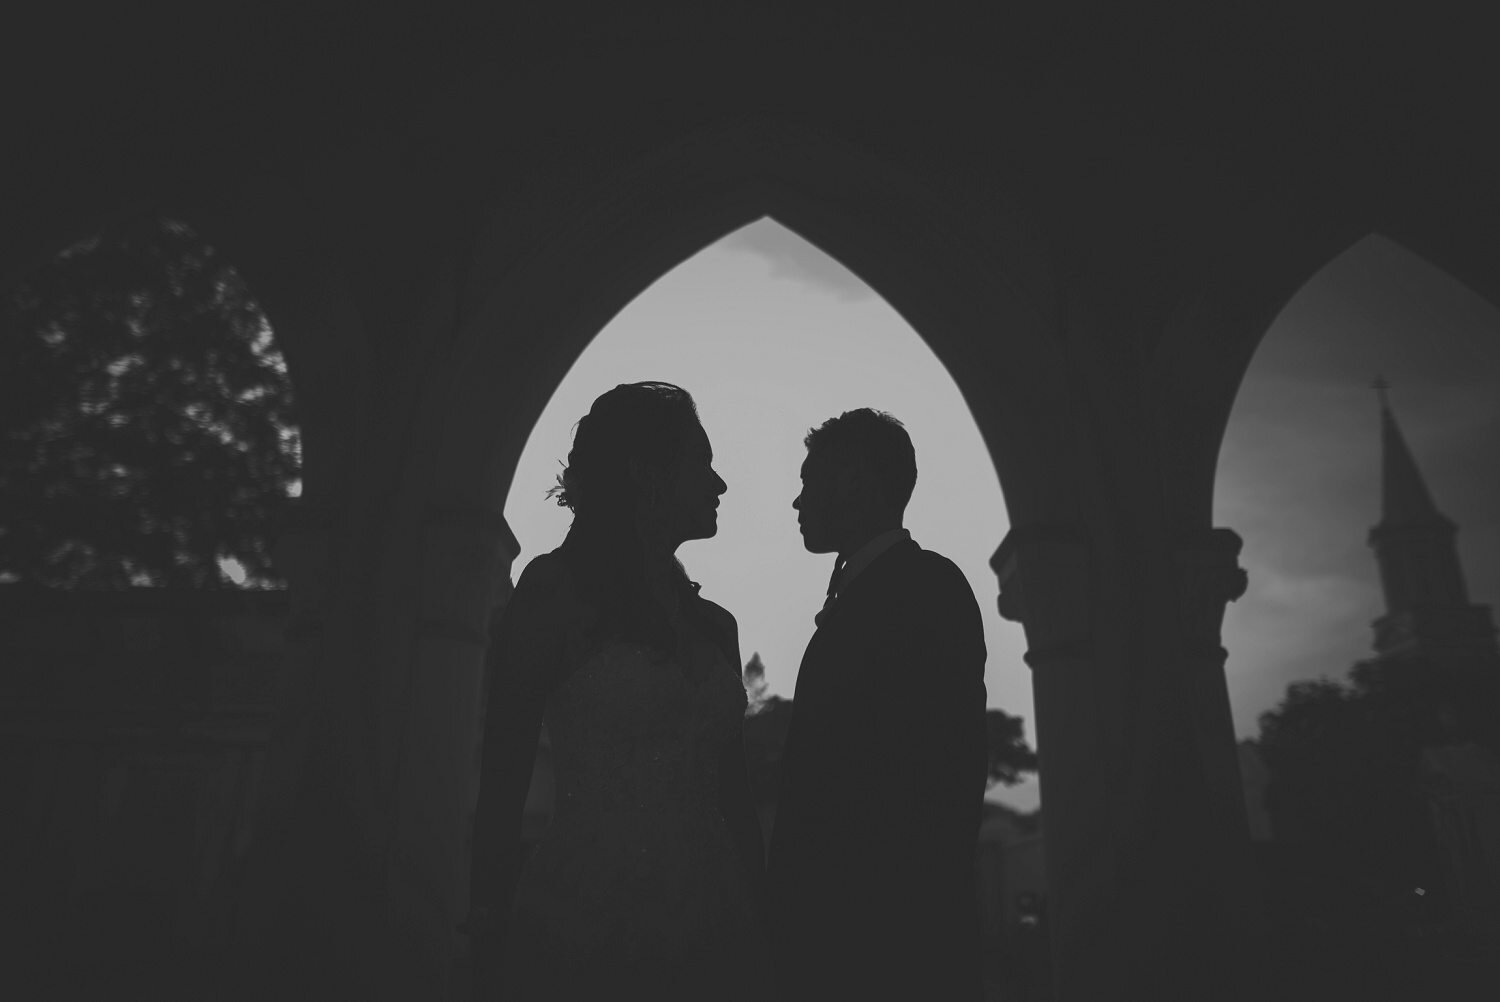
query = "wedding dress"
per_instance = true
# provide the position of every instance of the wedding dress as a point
(636, 890)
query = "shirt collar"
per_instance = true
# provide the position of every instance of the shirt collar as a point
(865, 555)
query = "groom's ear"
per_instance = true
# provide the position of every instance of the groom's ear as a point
(853, 481)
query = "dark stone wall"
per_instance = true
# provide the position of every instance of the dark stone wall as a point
(133, 729)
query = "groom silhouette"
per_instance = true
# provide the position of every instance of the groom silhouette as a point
(871, 861)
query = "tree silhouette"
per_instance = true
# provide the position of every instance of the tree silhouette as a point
(1005, 743)
(146, 415)
(756, 692)
(768, 717)
(1347, 779)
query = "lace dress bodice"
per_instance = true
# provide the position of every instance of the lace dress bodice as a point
(637, 881)
(632, 730)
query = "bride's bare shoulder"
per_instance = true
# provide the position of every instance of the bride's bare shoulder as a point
(718, 615)
(545, 574)
(540, 624)
(548, 576)
(546, 591)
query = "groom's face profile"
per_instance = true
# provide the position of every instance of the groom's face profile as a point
(827, 495)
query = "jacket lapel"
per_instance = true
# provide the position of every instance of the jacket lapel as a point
(868, 578)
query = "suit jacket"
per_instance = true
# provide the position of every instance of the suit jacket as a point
(872, 861)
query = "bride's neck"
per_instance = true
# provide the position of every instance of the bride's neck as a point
(661, 572)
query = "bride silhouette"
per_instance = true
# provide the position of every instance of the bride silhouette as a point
(647, 884)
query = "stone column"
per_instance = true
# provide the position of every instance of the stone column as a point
(303, 556)
(1208, 578)
(288, 897)
(1046, 585)
(1147, 850)
(465, 577)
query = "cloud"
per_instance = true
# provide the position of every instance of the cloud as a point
(1301, 458)
(1321, 597)
(794, 259)
(1299, 473)
(1292, 626)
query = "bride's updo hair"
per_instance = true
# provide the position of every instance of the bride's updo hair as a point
(642, 421)
(647, 422)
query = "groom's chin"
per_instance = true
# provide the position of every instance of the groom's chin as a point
(812, 545)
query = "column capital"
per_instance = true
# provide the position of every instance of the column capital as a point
(1044, 575)
(1209, 577)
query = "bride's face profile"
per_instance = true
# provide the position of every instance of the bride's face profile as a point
(687, 504)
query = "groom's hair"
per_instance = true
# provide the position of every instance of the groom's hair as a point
(875, 441)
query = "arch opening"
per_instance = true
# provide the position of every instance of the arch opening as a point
(961, 296)
(531, 315)
(773, 335)
(151, 448)
(1299, 468)
(154, 441)
(1336, 721)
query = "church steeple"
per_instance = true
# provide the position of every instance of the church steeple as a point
(1404, 498)
(1427, 602)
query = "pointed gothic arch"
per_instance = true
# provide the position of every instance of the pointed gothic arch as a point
(159, 355)
(862, 211)
(1330, 632)
(1208, 345)
(518, 326)
(316, 324)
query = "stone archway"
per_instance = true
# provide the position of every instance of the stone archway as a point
(1375, 307)
(521, 337)
(1116, 575)
(961, 296)
(1206, 348)
(318, 329)
(175, 682)
(1135, 186)
(1193, 379)
(314, 320)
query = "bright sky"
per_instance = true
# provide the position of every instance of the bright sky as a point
(771, 336)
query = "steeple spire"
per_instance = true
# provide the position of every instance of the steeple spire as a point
(1404, 498)
(1428, 612)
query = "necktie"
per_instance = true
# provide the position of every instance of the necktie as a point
(838, 568)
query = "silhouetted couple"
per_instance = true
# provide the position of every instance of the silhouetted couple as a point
(652, 881)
